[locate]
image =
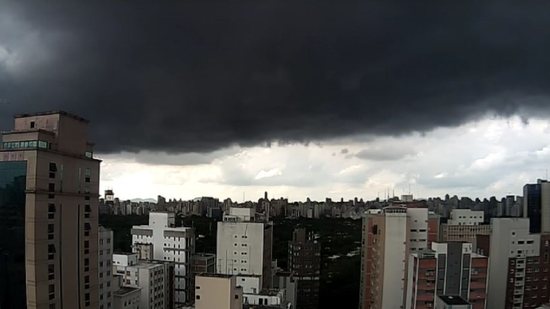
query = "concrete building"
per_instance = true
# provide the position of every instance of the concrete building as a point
(170, 243)
(49, 190)
(155, 279)
(448, 269)
(286, 281)
(304, 261)
(204, 263)
(127, 298)
(536, 206)
(466, 217)
(105, 249)
(389, 236)
(217, 291)
(464, 225)
(465, 233)
(451, 302)
(244, 246)
(518, 265)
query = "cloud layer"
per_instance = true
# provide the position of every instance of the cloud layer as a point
(196, 76)
(477, 159)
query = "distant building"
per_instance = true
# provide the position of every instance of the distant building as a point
(204, 263)
(464, 225)
(448, 269)
(519, 262)
(304, 261)
(536, 206)
(105, 269)
(466, 217)
(49, 190)
(389, 236)
(244, 245)
(170, 243)
(217, 291)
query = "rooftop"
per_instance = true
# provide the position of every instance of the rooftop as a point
(207, 275)
(47, 113)
(453, 300)
(125, 290)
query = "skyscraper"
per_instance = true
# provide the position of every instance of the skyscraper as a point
(304, 261)
(536, 206)
(49, 185)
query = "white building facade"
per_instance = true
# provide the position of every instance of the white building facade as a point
(466, 217)
(170, 243)
(244, 247)
(153, 279)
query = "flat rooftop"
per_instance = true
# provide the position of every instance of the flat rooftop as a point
(453, 300)
(125, 290)
(47, 113)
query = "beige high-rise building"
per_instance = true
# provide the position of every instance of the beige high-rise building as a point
(49, 185)
(217, 292)
(390, 235)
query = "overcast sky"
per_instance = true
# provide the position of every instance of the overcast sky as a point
(297, 98)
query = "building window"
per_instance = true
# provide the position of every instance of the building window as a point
(32, 124)
(51, 187)
(51, 272)
(51, 251)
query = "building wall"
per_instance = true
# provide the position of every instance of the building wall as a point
(466, 217)
(105, 268)
(218, 292)
(545, 207)
(240, 248)
(395, 257)
(466, 233)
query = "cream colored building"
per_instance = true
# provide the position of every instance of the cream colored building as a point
(169, 243)
(217, 292)
(50, 152)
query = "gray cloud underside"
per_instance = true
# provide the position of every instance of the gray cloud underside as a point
(196, 76)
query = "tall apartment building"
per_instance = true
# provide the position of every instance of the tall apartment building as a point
(448, 269)
(519, 262)
(389, 236)
(217, 291)
(169, 243)
(244, 245)
(464, 225)
(105, 269)
(155, 279)
(49, 189)
(304, 261)
(536, 206)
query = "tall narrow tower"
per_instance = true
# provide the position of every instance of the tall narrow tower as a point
(49, 185)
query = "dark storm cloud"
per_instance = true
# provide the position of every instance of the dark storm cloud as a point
(192, 76)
